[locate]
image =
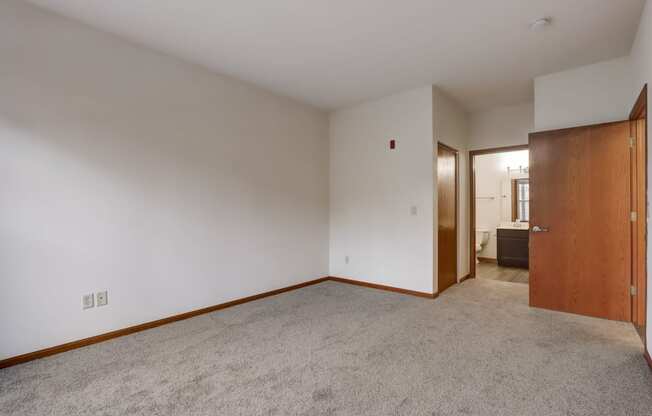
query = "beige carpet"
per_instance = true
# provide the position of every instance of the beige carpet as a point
(336, 349)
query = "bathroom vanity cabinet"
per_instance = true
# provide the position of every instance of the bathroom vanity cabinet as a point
(513, 247)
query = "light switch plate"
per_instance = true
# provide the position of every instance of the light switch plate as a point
(88, 301)
(102, 298)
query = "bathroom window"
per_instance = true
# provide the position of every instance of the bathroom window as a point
(521, 200)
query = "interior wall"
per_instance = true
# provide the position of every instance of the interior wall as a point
(586, 95)
(171, 187)
(493, 193)
(451, 127)
(373, 190)
(501, 126)
(641, 61)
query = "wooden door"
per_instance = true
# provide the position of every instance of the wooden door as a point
(580, 261)
(446, 217)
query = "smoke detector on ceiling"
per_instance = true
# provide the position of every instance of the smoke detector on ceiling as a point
(540, 24)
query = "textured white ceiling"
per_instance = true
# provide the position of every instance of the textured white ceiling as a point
(334, 53)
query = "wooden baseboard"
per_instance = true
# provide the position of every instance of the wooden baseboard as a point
(648, 358)
(383, 287)
(487, 260)
(468, 276)
(8, 362)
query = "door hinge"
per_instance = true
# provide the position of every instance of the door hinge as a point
(633, 216)
(632, 290)
(632, 141)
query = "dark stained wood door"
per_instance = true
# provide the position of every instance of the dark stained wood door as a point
(446, 217)
(580, 193)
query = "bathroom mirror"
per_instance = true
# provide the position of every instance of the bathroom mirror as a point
(521, 200)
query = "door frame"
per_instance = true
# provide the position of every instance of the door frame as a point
(472, 155)
(639, 112)
(457, 210)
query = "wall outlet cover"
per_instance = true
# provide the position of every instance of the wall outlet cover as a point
(88, 301)
(102, 298)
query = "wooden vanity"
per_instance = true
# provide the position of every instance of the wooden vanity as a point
(513, 247)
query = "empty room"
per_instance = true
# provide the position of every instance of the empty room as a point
(427, 207)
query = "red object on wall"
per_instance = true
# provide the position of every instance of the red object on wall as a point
(392, 144)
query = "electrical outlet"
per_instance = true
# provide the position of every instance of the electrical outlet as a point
(346, 259)
(102, 298)
(88, 301)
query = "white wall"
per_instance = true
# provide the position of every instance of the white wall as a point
(501, 126)
(493, 181)
(173, 188)
(641, 61)
(373, 188)
(589, 94)
(451, 127)
(488, 184)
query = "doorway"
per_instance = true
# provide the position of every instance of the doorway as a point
(500, 214)
(447, 219)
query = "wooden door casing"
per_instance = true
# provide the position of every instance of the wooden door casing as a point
(639, 205)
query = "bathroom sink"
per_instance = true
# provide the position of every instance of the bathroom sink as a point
(514, 226)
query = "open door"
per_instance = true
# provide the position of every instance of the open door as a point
(446, 217)
(580, 241)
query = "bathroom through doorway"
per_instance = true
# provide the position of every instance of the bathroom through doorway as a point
(500, 209)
